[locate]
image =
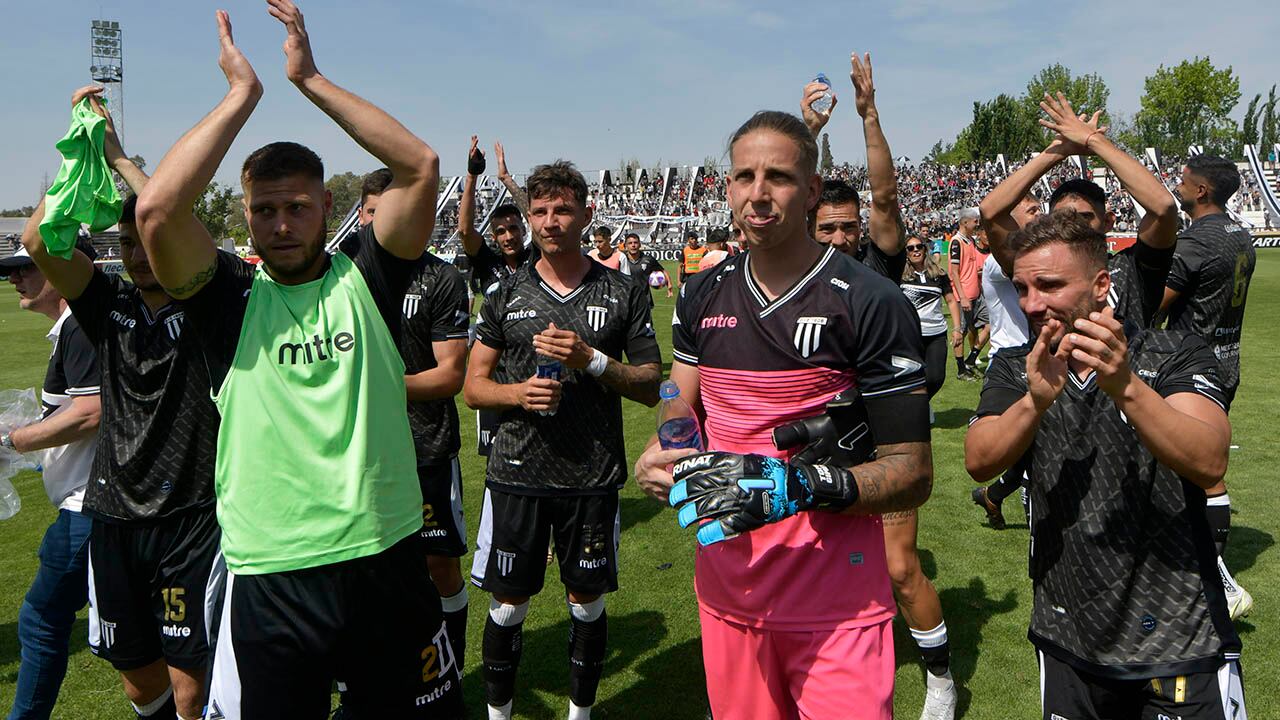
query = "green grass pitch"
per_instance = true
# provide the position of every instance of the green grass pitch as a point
(654, 668)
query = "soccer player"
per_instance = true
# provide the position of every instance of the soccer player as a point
(604, 252)
(640, 265)
(690, 257)
(1124, 428)
(505, 222)
(716, 252)
(433, 344)
(1205, 293)
(67, 432)
(965, 269)
(488, 268)
(1137, 273)
(759, 342)
(154, 543)
(837, 221)
(318, 494)
(558, 457)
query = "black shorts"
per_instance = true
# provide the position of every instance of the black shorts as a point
(148, 586)
(1070, 693)
(486, 430)
(511, 552)
(374, 624)
(444, 530)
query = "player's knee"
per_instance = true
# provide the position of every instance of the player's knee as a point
(188, 693)
(446, 573)
(904, 573)
(143, 685)
(588, 611)
(508, 614)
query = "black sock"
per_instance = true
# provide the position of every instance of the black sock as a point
(1004, 487)
(167, 711)
(937, 660)
(1218, 512)
(587, 641)
(455, 624)
(501, 654)
(973, 356)
(960, 365)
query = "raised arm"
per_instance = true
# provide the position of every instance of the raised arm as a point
(813, 119)
(1159, 227)
(885, 221)
(407, 209)
(997, 207)
(471, 238)
(179, 248)
(518, 195)
(116, 158)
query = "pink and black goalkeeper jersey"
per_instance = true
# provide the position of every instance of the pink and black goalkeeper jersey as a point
(764, 363)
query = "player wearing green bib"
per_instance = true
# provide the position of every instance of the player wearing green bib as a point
(316, 476)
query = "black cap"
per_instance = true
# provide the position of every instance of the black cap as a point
(22, 258)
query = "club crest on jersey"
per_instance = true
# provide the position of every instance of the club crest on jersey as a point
(173, 324)
(808, 335)
(596, 316)
(411, 303)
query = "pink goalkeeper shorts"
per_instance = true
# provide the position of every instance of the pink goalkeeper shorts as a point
(756, 674)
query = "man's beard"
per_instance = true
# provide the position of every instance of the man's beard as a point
(291, 270)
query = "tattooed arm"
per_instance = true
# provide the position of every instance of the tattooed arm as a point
(634, 382)
(900, 478)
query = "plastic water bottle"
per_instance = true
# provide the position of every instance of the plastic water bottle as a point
(677, 423)
(10, 503)
(549, 368)
(823, 104)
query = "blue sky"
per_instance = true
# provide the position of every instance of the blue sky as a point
(595, 82)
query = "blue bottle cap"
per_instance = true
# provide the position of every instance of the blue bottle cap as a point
(823, 79)
(668, 390)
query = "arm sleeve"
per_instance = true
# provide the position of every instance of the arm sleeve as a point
(1193, 369)
(92, 308)
(1184, 266)
(642, 341)
(1005, 383)
(944, 282)
(387, 277)
(489, 328)
(449, 307)
(888, 351)
(954, 251)
(79, 361)
(684, 343)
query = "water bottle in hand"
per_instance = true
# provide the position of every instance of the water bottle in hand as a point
(552, 369)
(10, 503)
(823, 104)
(677, 423)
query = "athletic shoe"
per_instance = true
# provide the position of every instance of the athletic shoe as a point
(940, 702)
(994, 515)
(967, 376)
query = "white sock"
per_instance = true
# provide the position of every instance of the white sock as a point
(579, 713)
(938, 682)
(150, 708)
(455, 602)
(500, 713)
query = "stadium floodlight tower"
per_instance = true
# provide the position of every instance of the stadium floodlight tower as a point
(106, 52)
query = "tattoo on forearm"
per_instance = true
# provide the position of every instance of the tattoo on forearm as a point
(517, 195)
(635, 382)
(899, 480)
(197, 281)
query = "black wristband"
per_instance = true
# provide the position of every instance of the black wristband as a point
(475, 163)
(833, 487)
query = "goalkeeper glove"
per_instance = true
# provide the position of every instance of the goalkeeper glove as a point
(729, 494)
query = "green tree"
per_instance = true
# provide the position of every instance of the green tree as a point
(1270, 125)
(1189, 104)
(345, 190)
(1249, 126)
(215, 210)
(1002, 125)
(710, 163)
(827, 162)
(24, 211)
(1087, 93)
